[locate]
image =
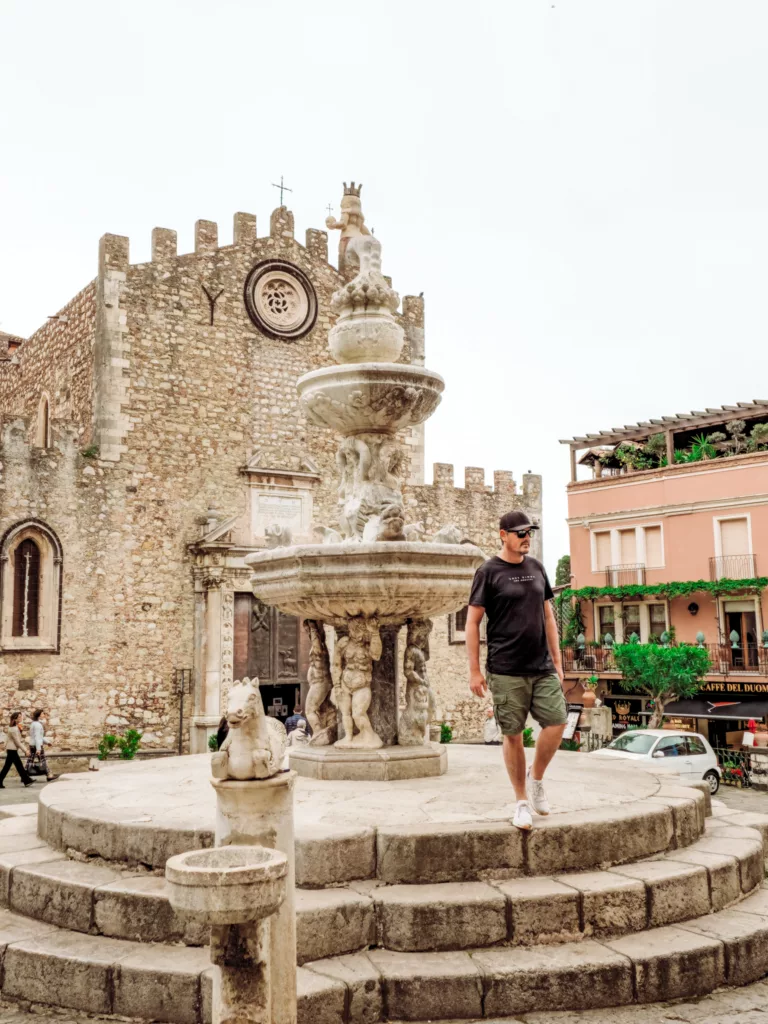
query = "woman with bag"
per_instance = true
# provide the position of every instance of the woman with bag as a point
(37, 745)
(13, 744)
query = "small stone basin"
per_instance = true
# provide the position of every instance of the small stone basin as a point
(228, 884)
(356, 398)
(392, 580)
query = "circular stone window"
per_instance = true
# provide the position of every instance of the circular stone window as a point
(280, 300)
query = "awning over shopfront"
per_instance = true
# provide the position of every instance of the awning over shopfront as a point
(743, 709)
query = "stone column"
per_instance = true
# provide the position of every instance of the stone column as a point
(207, 713)
(260, 813)
(384, 695)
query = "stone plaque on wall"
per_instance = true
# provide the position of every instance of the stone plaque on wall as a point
(277, 509)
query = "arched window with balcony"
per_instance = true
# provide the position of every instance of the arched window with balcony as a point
(30, 588)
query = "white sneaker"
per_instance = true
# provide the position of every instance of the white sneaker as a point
(536, 794)
(522, 818)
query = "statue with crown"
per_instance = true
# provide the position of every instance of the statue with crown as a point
(351, 225)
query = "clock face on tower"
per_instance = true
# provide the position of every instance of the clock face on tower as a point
(280, 300)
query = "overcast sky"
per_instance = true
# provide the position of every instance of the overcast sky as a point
(578, 187)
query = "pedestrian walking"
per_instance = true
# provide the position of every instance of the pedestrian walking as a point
(298, 737)
(37, 745)
(13, 744)
(524, 667)
(295, 718)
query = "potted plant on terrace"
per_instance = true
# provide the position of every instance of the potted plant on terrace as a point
(590, 684)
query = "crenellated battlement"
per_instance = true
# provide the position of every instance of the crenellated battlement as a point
(206, 240)
(476, 507)
(474, 480)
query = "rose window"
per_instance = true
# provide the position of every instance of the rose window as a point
(280, 300)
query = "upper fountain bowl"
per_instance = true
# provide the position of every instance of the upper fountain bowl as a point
(391, 580)
(379, 397)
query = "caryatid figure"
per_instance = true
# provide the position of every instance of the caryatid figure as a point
(354, 656)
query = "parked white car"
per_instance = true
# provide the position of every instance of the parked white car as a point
(687, 754)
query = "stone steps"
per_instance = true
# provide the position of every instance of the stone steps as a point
(408, 854)
(707, 875)
(43, 964)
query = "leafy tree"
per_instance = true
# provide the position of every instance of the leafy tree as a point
(563, 572)
(663, 673)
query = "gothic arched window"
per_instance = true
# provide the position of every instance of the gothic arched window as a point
(26, 589)
(30, 588)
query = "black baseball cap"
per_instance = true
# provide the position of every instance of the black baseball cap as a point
(516, 520)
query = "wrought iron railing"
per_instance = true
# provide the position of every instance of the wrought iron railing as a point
(589, 660)
(736, 766)
(725, 659)
(733, 567)
(624, 575)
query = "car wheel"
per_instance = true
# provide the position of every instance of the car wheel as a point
(713, 779)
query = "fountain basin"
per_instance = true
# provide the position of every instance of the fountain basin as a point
(228, 884)
(358, 398)
(392, 580)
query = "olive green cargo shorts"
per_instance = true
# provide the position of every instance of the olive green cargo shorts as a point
(515, 696)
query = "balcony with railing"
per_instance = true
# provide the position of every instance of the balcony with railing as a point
(624, 575)
(726, 659)
(733, 567)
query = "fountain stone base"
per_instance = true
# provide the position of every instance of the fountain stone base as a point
(387, 764)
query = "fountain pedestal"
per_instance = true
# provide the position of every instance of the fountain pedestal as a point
(260, 813)
(387, 764)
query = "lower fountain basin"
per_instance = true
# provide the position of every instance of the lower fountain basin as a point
(228, 884)
(392, 580)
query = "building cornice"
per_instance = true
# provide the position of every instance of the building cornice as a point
(683, 509)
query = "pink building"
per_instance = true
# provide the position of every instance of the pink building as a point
(679, 500)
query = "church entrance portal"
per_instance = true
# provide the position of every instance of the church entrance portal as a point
(273, 647)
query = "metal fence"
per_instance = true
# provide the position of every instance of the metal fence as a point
(736, 766)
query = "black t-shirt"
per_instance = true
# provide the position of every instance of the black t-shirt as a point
(513, 595)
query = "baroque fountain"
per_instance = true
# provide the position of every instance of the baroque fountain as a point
(374, 574)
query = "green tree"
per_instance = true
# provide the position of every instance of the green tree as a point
(663, 673)
(563, 572)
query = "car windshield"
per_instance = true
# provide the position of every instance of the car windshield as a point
(634, 742)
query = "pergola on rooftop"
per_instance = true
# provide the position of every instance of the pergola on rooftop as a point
(670, 426)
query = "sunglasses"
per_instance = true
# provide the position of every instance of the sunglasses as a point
(521, 534)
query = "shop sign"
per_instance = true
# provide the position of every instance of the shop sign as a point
(626, 713)
(739, 686)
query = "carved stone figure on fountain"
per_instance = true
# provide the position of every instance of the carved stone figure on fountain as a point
(255, 744)
(354, 656)
(351, 225)
(420, 703)
(449, 534)
(415, 532)
(277, 536)
(319, 708)
(386, 525)
(326, 535)
(369, 483)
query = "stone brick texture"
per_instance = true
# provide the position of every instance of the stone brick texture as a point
(181, 404)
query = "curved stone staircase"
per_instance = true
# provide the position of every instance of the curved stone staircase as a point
(643, 902)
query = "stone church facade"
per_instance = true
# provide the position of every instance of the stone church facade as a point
(151, 439)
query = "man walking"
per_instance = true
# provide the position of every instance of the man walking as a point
(524, 669)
